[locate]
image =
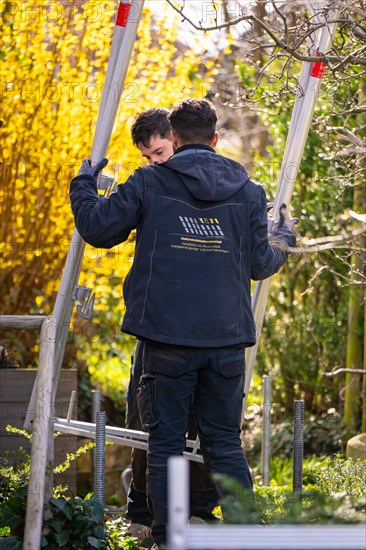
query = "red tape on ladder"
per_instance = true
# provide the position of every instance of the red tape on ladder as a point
(122, 15)
(318, 68)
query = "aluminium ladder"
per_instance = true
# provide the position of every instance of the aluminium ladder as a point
(54, 329)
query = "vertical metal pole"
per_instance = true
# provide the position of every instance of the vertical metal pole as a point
(41, 447)
(99, 473)
(95, 410)
(71, 406)
(95, 404)
(178, 499)
(298, 446)
(266, 430)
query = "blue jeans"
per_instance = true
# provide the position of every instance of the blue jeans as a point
(215, 376)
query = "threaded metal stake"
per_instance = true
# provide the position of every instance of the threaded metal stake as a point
(95, 394)
(99, 473)
(266, 430)
(298, 446)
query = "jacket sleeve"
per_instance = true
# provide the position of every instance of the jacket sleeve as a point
(266, 259)
(106, 222)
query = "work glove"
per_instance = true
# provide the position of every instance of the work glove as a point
(86, 168)
(280, 231)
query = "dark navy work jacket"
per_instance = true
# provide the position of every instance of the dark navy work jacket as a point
(201, 236)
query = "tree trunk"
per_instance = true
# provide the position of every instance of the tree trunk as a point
(352, 400)
(363, 428)
(355, 398)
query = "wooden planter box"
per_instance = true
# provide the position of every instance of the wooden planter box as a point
(15, 392)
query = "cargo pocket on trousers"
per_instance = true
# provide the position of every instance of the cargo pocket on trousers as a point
(169, 362)
(146, 401)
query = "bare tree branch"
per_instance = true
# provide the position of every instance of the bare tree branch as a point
(354, 9)
(352, 58)
(345, 60)
(331, 242)
(338, 371)
(349, 136)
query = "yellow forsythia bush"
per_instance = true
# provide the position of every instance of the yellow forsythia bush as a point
(54, 57)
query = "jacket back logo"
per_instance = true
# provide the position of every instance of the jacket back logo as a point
(205, 227)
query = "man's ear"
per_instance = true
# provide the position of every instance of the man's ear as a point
(215, 140)
(174, 140)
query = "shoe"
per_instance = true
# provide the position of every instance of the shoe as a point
(139, 532)
(154, 547)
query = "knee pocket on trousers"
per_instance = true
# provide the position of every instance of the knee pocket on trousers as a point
(146, 401)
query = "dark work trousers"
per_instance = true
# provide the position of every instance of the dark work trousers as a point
(215, 377)
(203, 494)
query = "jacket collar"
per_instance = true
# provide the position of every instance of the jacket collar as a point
(194, 147)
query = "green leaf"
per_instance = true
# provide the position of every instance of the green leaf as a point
(63, 506)
(11, 543)
(62, 538)
(55, 525)
(10, 518)
(95, 543)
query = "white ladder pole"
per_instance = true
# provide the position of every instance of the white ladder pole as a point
(64, 303)
(118, 35)
(291, 163)
(178, 499)
(111, 100)
(314, 45)
(299, 129)
(41, 427)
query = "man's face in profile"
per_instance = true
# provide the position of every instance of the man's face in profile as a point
(159, 150)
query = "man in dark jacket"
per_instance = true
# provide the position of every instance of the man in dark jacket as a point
(201, 236)
(151, 134)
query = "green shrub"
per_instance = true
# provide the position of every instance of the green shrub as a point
(71, 524)
(281, 470)
(278, 505)
(75, 524)
(14, 472)
(340, 475)
(322, 436)
(68, 523)
(119, 538)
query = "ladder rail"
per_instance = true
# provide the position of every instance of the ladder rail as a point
(64, 304)
(120, 436)
(55, 329)
(21, 322)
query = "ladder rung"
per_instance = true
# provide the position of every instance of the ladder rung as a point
(24, 322)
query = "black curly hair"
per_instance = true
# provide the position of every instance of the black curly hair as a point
(194, 121)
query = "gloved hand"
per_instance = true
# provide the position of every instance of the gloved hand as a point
(86, 168)
(280, 232)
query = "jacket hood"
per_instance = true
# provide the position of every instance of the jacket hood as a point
(207, 175)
